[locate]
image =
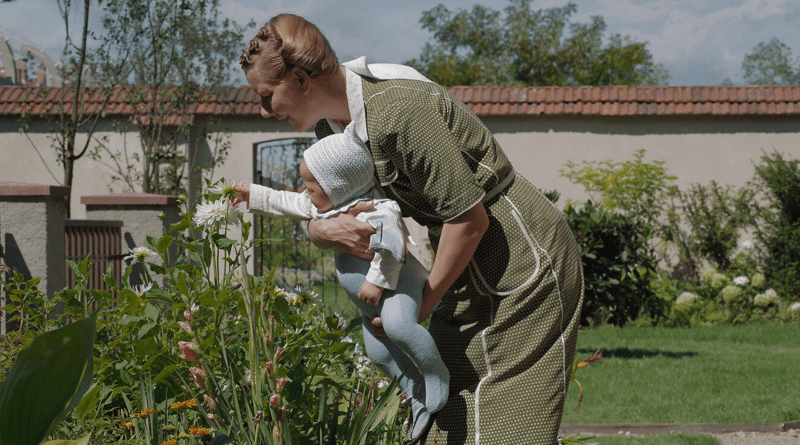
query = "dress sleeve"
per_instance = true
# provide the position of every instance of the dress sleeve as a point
(422, 143)
(279, 203)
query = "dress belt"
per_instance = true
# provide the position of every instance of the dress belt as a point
(500, 187)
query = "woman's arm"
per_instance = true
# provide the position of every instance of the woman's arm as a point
(344, 232)
(458, 242)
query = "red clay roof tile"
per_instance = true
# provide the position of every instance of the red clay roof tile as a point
(495, 101)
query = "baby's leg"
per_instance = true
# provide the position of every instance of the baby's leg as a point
(399, 315)
(392, 361)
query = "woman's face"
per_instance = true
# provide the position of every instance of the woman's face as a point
(318, 196)
(287, 100)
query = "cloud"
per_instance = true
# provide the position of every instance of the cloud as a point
(699, 42)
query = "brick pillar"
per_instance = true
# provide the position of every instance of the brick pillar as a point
(139, 213)
(33, 232)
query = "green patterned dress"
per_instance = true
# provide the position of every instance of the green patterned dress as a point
(507, 328)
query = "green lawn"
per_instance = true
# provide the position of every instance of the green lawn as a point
(721, 374)
(661, 439)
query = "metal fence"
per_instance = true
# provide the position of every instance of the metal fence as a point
(289, 251)
(101, 239)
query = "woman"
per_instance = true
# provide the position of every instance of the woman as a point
(507, 274)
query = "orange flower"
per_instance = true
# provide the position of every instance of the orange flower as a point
(169, 442)
(126, 425)
(144, 413)
(191, 403)
(199, 431)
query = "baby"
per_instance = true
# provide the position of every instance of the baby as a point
(338, 173)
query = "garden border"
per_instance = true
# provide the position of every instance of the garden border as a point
(644, 429)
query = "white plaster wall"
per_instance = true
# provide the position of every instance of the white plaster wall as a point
(695, 149)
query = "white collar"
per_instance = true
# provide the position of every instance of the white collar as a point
(355, 95)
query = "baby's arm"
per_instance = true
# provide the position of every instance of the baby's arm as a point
(370, 293)
(278, 203)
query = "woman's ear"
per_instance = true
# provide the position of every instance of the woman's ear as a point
(301, 79)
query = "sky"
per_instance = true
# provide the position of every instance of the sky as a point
(699, 42)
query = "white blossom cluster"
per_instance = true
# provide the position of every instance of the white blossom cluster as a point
(140, 255)
(741, 281)
(686, 299)
(767, 298)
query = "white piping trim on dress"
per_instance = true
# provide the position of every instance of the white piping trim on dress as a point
(478, 389)
(561, 307)
(534, 248)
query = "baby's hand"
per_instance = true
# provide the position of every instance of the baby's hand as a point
(370, 293)
(242, 194)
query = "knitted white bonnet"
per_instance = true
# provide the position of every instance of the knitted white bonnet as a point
(342, 165)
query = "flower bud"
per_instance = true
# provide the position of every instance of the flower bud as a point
(280, 384)
(266, 339)
(188, 351)
(276, 434)
(199, 377)
(269, 369)
(278, 354)
(211, 418)
(271, 321)
(274, 400)
(212, 405)
(281, 413)
(188, 316)
(185, 326)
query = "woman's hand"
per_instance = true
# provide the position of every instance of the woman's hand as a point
(344, 232)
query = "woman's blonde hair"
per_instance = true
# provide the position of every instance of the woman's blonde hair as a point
(288, 41)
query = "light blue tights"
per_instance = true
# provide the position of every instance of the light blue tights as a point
(408, 343)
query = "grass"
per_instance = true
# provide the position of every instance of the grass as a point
(721, 374)
(661, 439)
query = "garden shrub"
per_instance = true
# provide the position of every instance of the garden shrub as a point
(704, 224)
(616, 268)
(215, 353)
(777, 180)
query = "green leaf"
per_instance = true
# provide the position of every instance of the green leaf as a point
(82, 441)
(145, 329)
(223, 242)
(75, 270)
(151, 242)
(164, 243)
(181, 225)
(151, 312)
(166, 372)
(46, 382)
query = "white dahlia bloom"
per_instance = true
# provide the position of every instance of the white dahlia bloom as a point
(140, 254)
(741, 281)
(218, 211)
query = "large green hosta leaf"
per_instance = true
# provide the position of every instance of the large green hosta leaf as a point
(46, 382)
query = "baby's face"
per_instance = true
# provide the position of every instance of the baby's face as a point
(318, 196)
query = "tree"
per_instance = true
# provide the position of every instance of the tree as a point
(771, 63)
(173, 54)
(528, 47)
(71, 116)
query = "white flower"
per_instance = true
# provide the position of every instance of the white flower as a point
(746, 244)
(795, 307)
(139, 290)
(140, 254)
(771, 293)
(686, 298)
(225, 188)
(741, 281)
(218, 211)
(383, 384)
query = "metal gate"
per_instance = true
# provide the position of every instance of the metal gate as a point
(297, 262)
